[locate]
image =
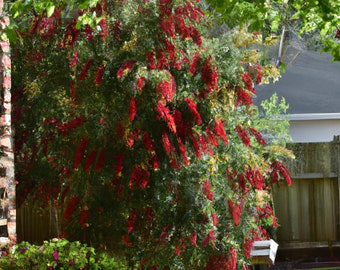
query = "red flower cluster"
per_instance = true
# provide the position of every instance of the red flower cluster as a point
(165, 114)
(243, 97)
(210, 75)
(248, 82)
(220, 132)
(99, 74)
(84, 71)
(65, 128)
(125, 68)
(139, 177)
(193, 109)
(207, 190)
(167, 89)
(258, 136)
(80, 152)
(278, 168)
(235, 211)
(132, 109)
(71, 35)
(242, 133)
(71, 207)
(103, 26)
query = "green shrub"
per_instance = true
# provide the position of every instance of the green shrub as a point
(56, 254)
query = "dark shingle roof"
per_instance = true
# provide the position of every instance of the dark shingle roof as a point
(310, 84)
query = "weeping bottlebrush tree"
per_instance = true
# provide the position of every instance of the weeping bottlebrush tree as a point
(140, 130)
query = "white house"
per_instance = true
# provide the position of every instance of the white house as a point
(311, 87)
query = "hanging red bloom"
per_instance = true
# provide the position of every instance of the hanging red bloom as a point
(259, 74)
(90, 160)
(151, 59)
(196, 36)
(210, 75)
(74, 60)
(243, 97)
(132, 220)
(71, 207)
(193, 238)
(193, 65)
(183, 151)
(83, 73)
(211, 137)
(235, 210)
(132, 109)
(219, 130)
(139, 177)
(210, 236)
(140, 83)
(103, 26)
(88, 32)
(248, 244)
(242, 133)
(165, 114)
(248, 82)
(207, 190)
(119, 164)
(165, 7)
(258, 136)
(193, 109)
(99, 74)
(167, 89)
(154, 161)
(71, 35)
(277, 167)
(166, 142)
(125, 68)
(161, 59)
(101, 160)
(214, 218)
(147, 142)
(80, 152)
(167, 23)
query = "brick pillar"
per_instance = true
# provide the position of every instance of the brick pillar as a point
(7, 181)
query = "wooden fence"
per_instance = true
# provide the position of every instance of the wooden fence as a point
(308, 211)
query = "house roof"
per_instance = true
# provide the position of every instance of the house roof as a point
(310, 83)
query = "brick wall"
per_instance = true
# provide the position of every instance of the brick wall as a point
(7, 182)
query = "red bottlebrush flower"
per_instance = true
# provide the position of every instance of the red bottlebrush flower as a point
(165, 114)
(34, 25)
(74, 60)
(211, 137)
(210, 236)
(232, 260)
(119, 164)
(65, 128)
(148, 142)
(139, 177)
(167, 89)
(126, 240)
(101, 161)
(140, 83)
(165, 7)
(83, 218)
(166, 142)
(242, 133)
(167, 23)
(125, 68)
(210, 75)
(117, 30)
(132, 220)
(154, 162)
(83, 73)
(214, 218)
(71, 207)
(248, 82)
(71, 35)
(235, 210)
(80, 152)
(180, 124)
(88, 32)
(220, 132)
(196, 36)
(247, 246)
(132, 109)
(255, 178)
(151, 59)
(207, 191)
(99, 74)
(173, 162)
(90, 160)
(73, 89)
(193, 109)
(170, 48)
(259, 74)
(243, 97)
(104, 32)
(193, 65)
(277, 167)
(258, 136)
(183, 151)
(195, 144)
(193, 238)
(161, 59)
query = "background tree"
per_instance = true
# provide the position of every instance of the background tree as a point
(140, 129)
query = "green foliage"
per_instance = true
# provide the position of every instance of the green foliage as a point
(56, 254)
(321, 17)
(273, 122)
